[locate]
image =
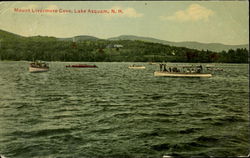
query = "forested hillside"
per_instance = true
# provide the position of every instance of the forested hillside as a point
(14, 47)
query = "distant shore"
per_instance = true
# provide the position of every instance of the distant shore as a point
(156, 62)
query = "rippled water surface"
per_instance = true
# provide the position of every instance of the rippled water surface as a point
(113, 111)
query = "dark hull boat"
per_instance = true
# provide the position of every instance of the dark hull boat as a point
(82, 66)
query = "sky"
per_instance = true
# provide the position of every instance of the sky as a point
(224, 22)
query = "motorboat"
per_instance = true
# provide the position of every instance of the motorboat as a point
(177, 74)
(38, 66)
(181, 71)
(151, 63)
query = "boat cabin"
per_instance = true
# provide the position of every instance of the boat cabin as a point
(181, 69)
(39, 64)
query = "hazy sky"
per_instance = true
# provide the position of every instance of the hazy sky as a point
(202, 21)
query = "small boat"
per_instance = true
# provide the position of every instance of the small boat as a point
(82, 66)
(184, 71)
(38, 66)
(151, 63)
(214, 69)
(177, 74)
(136, 67)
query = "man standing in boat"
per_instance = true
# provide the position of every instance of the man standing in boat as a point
(200, 67)
(161, 67)
(165, 69)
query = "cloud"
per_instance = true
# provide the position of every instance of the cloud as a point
(131, 12)
(124, 12)
(194, 12)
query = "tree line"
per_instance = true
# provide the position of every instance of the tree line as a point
(51, 49)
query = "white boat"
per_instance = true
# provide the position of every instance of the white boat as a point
(151, 63)
(181, 71)
(136, 67)
(214, 69)
(35, 69)
(38, 67)
(178, 74)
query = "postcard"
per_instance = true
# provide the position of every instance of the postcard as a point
(131, 79)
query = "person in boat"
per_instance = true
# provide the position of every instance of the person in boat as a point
(201, 67)
(198, 70)
(161, 67)
(192, 71)
(174, 69)
(164, 68)
(170, 69)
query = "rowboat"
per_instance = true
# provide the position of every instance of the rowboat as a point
(136, 67)
(38, 66)
(151, 63)
(214, 69)
(183, 71)
(82, 66)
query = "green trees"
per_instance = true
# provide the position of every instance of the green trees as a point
(51, 49)
(239, 55)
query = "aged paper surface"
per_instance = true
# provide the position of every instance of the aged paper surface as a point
(124, 79)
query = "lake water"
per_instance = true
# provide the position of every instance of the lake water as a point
(113, 111)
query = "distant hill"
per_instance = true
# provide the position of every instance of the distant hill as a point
(217, 47)
(80, 38)
(8, 36)
(5, 35)
(131, 49)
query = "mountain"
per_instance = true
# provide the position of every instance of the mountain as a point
(217, 47)
(9, 36)
(133, 49)
(5, 35)
(80, 38)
